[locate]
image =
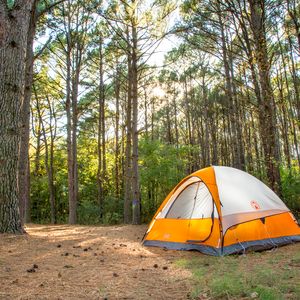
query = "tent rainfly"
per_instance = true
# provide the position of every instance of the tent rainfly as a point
(220, 211)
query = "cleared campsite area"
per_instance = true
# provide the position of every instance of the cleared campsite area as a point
(85, 262)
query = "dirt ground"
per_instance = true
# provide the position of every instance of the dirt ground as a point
(84, 262)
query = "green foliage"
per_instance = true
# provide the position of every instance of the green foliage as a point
(113, 210)
(291, 189)
(88, 213)
(10, 3)
(40, 205)
(161, 167)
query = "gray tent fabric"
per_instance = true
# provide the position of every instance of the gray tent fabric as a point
(235, 248)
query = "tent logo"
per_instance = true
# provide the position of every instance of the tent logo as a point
(255, 205)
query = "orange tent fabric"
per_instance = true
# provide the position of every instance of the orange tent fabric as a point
(219, 211)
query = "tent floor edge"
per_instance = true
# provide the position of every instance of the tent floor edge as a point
(205, 249)
(260, 245)
(238, 248)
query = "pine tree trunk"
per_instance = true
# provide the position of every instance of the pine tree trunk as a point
(136, 201)
(48, 159)
(14, 25)
(292, 7)
(237, 161)
(175, 118)
(100, 171)
(146, 112)
(24, 165)
(267, 105)
(128, 148)
(117, 146)
(75, 83)
(72, 204)
(37, 157)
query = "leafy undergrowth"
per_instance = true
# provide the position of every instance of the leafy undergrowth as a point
(268, 275)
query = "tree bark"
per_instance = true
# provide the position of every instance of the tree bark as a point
(117, 120)
(49, 156)
(14, 26)
(136, 201)
(101, 133)
(24, 165)
(237, 160)
(128, 148)
(267, 104)
(72, 200)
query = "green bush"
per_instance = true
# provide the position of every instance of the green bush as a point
(88, 213)
(162, 166)
(290, 182)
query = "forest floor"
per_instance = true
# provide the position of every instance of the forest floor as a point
(109, 262)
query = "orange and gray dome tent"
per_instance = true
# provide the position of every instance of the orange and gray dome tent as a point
(219, 211)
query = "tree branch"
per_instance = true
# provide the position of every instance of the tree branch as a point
(48, 8)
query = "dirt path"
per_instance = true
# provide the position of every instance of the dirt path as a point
(81, 262)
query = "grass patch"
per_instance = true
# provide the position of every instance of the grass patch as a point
(267, 275)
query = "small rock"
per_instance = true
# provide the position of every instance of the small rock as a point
(31, 270)
(155, 266)
(254, 295)
(35, 266)
(58, 246)
(9, 251)
(59, 275)
(85, 249)
(143, 269)
(15, 281)
(68, 266)
(102, 260)
(165, 268)
(76, 255)
(115, 274)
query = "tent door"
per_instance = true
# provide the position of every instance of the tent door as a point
(202, 217)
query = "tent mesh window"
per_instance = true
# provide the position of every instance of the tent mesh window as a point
(194, 202)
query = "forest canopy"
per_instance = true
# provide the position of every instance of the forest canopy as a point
(111, 120)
